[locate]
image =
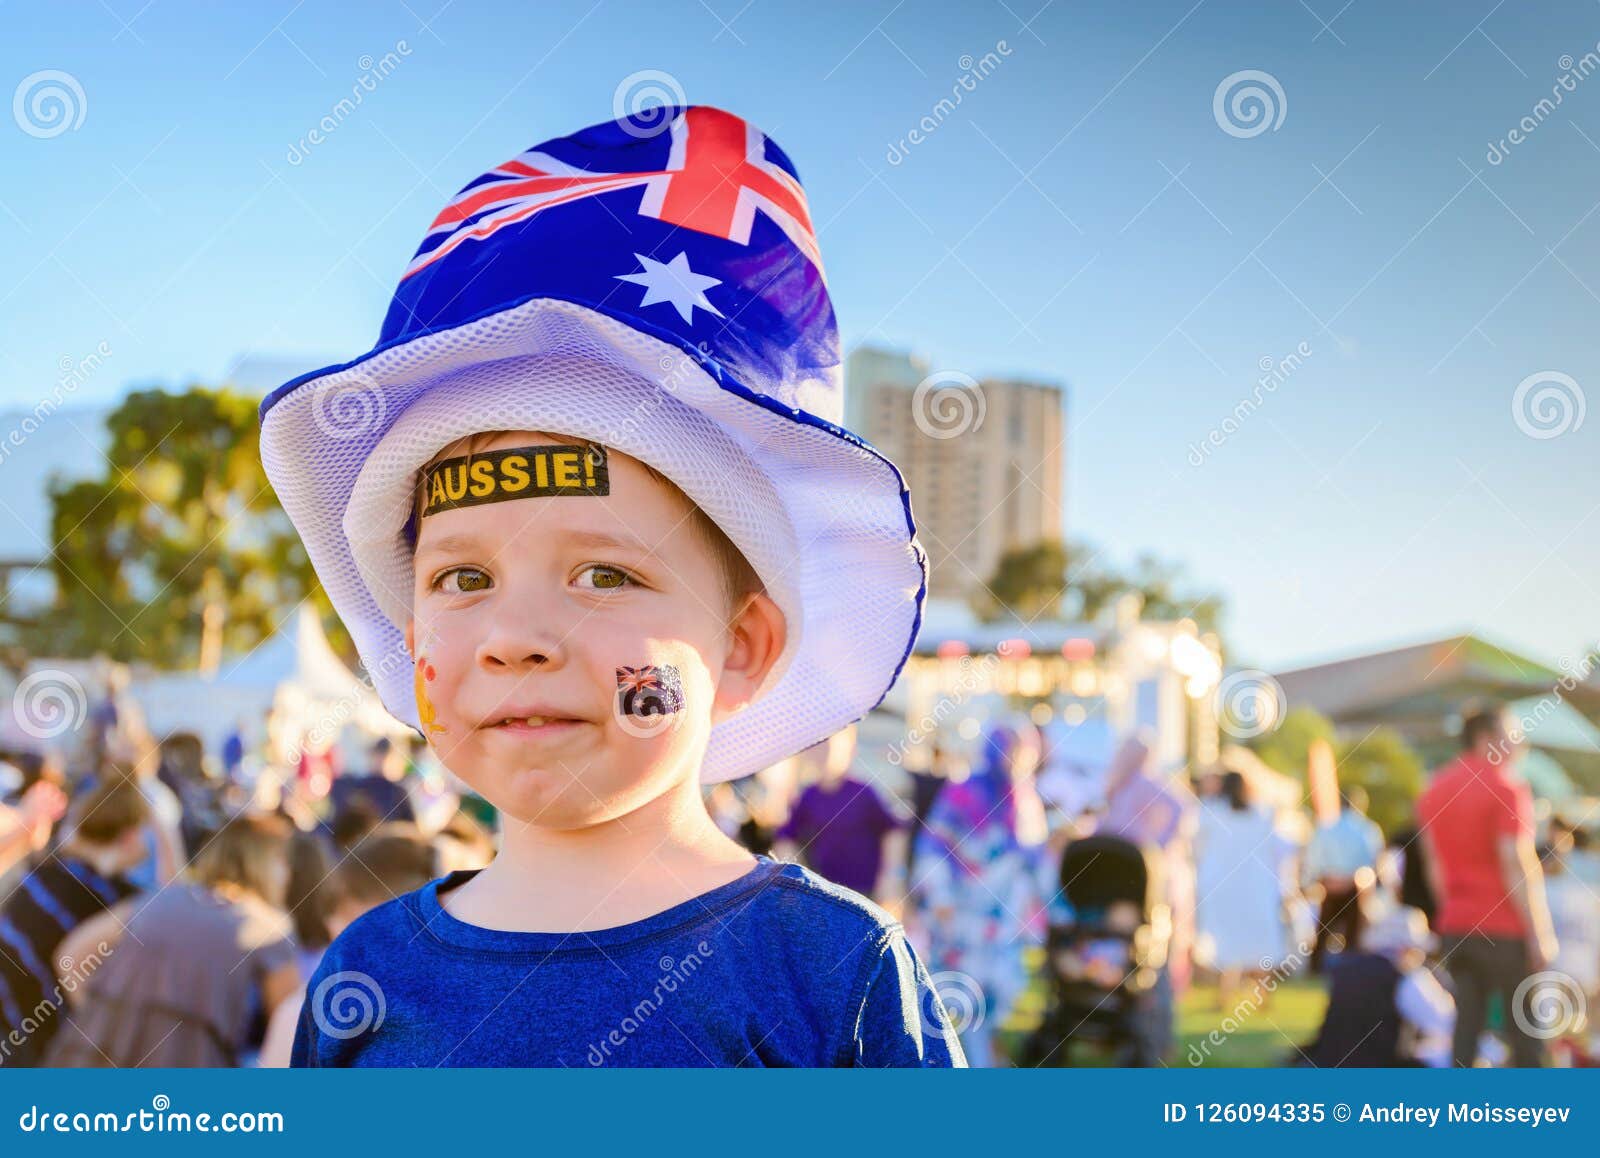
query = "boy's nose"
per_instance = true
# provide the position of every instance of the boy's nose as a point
(527, 644)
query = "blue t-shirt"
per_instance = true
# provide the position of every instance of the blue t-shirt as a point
(777, 968)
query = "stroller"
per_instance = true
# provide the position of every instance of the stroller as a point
(1102, 962)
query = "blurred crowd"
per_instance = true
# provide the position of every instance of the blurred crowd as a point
(164, 905)
(1058, 908)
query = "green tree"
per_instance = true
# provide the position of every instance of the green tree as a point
(1379, 762)
(1030, 582)
(1162, 584)
(1051, 577)
(1287, 746)
(1388, 770)
(180, 551)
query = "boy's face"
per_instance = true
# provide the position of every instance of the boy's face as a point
(525, 609)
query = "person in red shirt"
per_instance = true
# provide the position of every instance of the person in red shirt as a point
(1476, 821)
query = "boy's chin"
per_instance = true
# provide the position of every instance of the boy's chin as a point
(566, 797)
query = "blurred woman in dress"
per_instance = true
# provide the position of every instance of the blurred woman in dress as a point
(979, 885)
(1242, 873)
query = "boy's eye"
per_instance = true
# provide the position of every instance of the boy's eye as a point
(462, 580)
(604, 577)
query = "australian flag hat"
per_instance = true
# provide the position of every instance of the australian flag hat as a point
(652, 284)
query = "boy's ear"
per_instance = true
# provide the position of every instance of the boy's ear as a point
(411, 637)
(756, 639)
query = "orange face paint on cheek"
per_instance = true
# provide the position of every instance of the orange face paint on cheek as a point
(425, 710)
(426, 674)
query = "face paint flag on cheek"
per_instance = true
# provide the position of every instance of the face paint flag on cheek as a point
(649, 699)
(649, 691)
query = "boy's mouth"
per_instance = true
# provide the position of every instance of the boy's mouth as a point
(532, 725)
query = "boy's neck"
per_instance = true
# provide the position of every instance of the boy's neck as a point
(613, 873)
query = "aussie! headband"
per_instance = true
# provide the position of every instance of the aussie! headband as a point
(517, 472)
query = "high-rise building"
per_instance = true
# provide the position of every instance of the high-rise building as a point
(983, 459)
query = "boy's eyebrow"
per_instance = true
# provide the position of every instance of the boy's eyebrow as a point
(449, 545)
(606, 539)
(462, 542)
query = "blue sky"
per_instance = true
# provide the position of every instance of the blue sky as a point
(1082, 216)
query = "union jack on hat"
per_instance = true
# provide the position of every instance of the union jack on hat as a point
(653, 284)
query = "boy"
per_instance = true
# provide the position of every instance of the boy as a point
(589, 517)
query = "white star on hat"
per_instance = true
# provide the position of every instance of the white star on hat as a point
(673, 282)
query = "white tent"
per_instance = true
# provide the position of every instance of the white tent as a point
(294, 674)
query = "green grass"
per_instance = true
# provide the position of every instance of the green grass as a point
(1259, 1036)
(1249, 1036)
